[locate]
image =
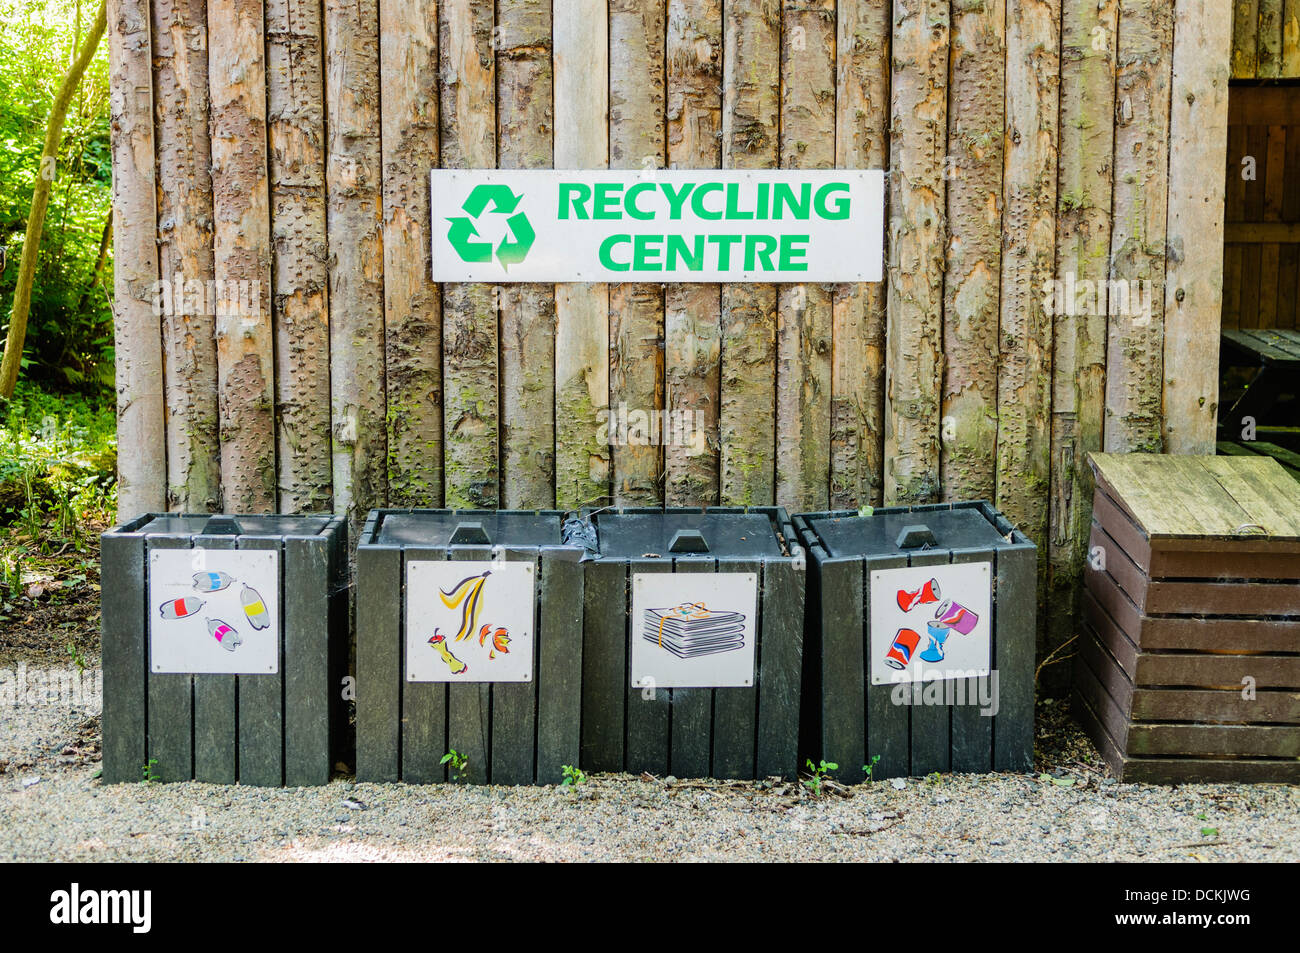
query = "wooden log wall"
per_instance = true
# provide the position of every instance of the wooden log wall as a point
(1028, 142)
(1265, 39)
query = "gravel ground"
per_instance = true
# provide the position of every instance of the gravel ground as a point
(52, 807)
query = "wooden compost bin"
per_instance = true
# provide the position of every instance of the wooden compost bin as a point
(508, 732)
(1188, 668)
(724, 732)
(850, 720)
(259, 729)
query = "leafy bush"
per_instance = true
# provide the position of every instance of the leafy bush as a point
(70, 329)
(58, 464)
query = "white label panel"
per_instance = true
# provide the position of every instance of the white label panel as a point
(930, 622)
(693, 630)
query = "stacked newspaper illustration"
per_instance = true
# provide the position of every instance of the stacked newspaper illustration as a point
(691, 630)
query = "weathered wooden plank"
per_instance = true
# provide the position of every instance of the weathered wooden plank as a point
(524, 127)
(604, 665)
(409, 141)
(845, 723)
(379, 663)
(261, 700)
(780, 663)
(692, 312)
(469, 708)
(930, 732)
(971, 730)
(242, 257)
(1194, 277)
(471, 408)
(858, 310)
(307, 648)
(1268, 57)
(917, 235)
(299, 294)
(751, 61)
(735, 710)
(124, 656)
(1085, 183)
(216, 707)
(648, 709)
(637, 140)
(514, 707)
(1245, 30)
(354, 225)
(138, 351)
(423, 704)
(1253, 211)
(170, 705)
(1028, 256)
(581, 89)
(1013, 647)
(560, 664)
(180, 41)
(888, 733)
(692, 711)
(973, 266)
(804, 317)
(1290, 39)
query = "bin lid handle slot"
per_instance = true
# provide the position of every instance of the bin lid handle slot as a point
(222, 526)
(915, 536)
(688, 541)
(470, 534)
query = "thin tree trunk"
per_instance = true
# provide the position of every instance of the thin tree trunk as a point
(751, 116)
(858, 371)
(40, 201)
(471, 405)
(524, 124)
(295, 87)
(412, 303)
(918, 133)
(636, 310)
(185, 254)
(803, 380)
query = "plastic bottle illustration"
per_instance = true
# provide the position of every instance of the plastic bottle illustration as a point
(180, 608)
(224, 634)
(212, 581)
(254, 608)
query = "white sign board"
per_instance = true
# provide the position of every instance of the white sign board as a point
(214, 611)
(930, 622)
(469, 621)
(714, 225)
(693, 630)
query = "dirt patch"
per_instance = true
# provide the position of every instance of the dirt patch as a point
(49, 609)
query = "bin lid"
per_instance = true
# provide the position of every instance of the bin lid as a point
(878, 534)
(437, 528)
(196, 525)
(704, 534)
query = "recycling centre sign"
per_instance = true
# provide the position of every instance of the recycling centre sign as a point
(658, 225)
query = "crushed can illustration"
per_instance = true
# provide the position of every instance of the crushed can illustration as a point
(907, 601)
(212, 581)
(938, 636)
(254, 608)
(224, 634)
(180, 608)
(900, 652)
(954, 615)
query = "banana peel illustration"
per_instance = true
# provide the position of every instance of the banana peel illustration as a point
(468, 596)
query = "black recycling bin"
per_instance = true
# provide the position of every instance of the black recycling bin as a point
(224, 648)
(692, 641)
(921, 640)
(469, 647)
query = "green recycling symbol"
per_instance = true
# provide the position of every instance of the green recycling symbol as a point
(504, 202)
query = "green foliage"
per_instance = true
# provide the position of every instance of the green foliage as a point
(459, 763)
(818, 775)
(147, 773)
(572, 776)
(870, 769)
(70, 329)
(58, 466)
